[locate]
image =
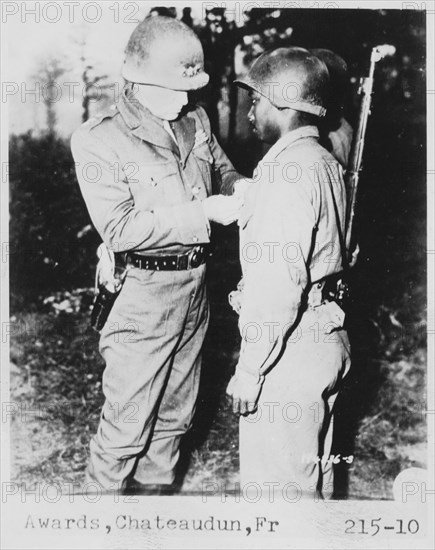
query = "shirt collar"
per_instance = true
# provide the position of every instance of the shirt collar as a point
(288, 139)
(150, 128)
(142, 122)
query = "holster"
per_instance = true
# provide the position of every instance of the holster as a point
(102, 306)
(105, 297)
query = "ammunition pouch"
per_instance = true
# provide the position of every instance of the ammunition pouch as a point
(334, 288)
(337, 290)
(328, 298)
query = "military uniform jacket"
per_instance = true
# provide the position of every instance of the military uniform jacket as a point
(141, 187)
(289, 239)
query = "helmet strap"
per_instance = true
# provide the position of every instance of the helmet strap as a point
(304, 107)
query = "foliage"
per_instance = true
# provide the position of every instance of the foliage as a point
(51, 242)
(78, 300)
(50, 70)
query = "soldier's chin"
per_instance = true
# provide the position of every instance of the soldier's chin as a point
(171, 115)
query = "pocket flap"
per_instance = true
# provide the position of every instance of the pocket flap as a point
(154, 174)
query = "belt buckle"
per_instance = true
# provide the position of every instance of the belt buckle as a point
(194, 258)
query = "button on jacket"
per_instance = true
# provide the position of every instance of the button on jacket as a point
(142, 189)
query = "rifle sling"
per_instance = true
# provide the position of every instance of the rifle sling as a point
(344, 257)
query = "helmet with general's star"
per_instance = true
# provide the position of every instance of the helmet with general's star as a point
(163, 51)
(290, 78)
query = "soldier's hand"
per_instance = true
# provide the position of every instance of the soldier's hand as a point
(222, 209)
(245, 394)
(240, 187)
(106, 269)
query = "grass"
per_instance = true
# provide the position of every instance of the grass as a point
(56, 385)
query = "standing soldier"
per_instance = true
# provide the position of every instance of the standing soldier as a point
(335, 131)
(294, 351)
(146, 170)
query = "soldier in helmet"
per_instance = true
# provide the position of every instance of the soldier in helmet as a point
(294, 350)
(335, 131)
(147, 169)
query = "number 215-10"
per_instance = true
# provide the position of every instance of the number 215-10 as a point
(372, 527)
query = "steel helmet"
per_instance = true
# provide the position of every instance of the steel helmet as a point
(290, 78)
(338, 74)
(165, 52)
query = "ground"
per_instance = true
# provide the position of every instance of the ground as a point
(56, 393)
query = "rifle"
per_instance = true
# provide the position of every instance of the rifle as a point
(353, 172)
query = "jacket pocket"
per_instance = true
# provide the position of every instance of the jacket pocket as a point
(155, 185)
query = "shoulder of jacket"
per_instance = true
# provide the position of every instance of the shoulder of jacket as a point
(199, 113)
(88, 131)
(304, 153)
(97, 119)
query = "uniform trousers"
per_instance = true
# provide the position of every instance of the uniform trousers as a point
(151, 344)
(282, 442)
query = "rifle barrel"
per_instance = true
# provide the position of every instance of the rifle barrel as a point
(355, 162)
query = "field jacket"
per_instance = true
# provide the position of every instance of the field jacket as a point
(289, 240)
(143, 189)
